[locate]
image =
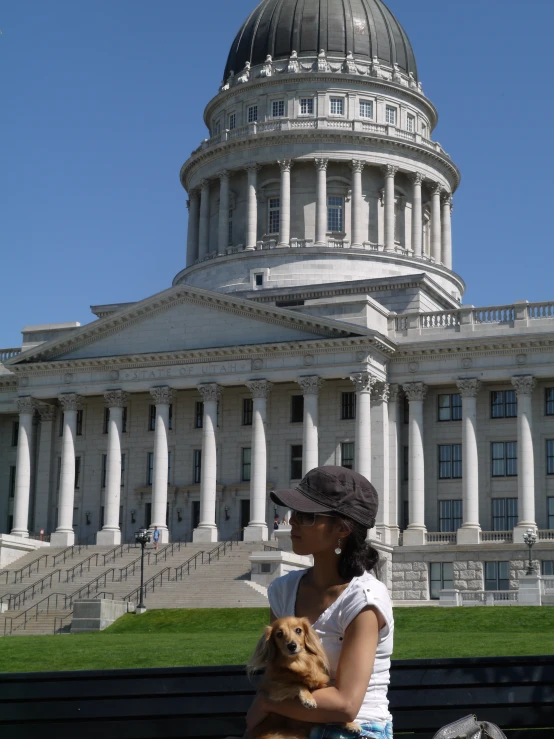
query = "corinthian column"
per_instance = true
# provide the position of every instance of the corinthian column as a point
(363, 382)
(357, 234)
(284, 203)
(252, 207)
(471, 530)
(257, 526)
(311, 385)
(207, 529)
(321, 202)
(223, 225)
(204, 226)
(389, 172)
(415, 533)
(64, 534)
(417, 215)
(524, 385)
(193, 205)
(26, 410)
(47, 415)
(436, 223)
(163, 397)
(447, 230)
(115, 401)
(380, 457)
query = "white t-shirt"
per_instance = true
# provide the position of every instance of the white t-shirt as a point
(360, 592)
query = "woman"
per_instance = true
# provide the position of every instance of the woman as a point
(350, 610)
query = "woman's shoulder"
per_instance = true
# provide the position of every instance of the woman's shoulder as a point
(280, 589)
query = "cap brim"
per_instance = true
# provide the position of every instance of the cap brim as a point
(293, 498)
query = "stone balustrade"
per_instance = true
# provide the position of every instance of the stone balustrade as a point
(6, 354)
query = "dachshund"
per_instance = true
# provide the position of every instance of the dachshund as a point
(296, 664)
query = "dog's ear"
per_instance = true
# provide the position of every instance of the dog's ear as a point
(264, 652)
(313, 644)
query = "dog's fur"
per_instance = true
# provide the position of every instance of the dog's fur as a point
(290, 674)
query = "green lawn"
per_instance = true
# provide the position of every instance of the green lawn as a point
(228, 636)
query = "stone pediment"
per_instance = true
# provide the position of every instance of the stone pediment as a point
(183, 318)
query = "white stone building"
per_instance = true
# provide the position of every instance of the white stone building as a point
(318, 321)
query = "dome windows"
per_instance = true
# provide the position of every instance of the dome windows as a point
(252, 113)
(391, 114)
(278, 109)
(336, 106)
(366, 109)
(410, 123)
(306, 106)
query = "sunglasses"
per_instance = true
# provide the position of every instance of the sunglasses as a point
(308, 519)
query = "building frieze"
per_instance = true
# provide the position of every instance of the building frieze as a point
(481, 348)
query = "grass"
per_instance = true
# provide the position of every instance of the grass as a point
(215, 636)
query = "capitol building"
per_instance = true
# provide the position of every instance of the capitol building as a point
(318, 320)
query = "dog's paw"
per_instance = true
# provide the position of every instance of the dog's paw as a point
(353, 727)
(307, 700)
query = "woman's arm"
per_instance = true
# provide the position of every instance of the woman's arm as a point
(342, 702)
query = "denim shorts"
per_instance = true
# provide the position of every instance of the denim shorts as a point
(370, 729)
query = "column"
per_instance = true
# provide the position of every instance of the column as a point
(47, 415)
(223, 225)
(389, 172)
(64, 534)
(470, 532)
(311, 385)
(163, 397)
(193, 205)
(284, 203)
(207, 529)
(436, 223)
(257, 526)
(26, 410)
(204, 226)
(357, 233)
(417, 215)
(524, 385)
(415, 533)
(252, 207)
(394, 462)
(380, 456)
(115, 401)
(321, 202)
(447, 230)
(363, 382)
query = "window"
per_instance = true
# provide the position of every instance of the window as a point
(337, 106)
(232, 121)
(550, 456)
(441, 577)
(170, 419)
(273, 211)
(306, 106)
(405, 514)
(450, 515)
(550, 510)
(347, 454)
(151, 417)
(504, 458)
(405, 463)
(497, 575)
(297, 409)
(106, 421)
(390, 115)
(15, 433)
(104, 469)
(79, 429)
(348, 406)
(169, 467)
(406, 409)
(450, 407)
(278, 108)
(259, 279)
(247, 411)
(123, 463)
(217, 128)
(450, 461)
(77, 472)
(105, 426)
(199, 415)
(230, 228)
(410, 123)
(60, 427)
(149, 467)
(245, 464)
(11, 489)
(549, 401)
(252, 114)
(504, 514)
(366, 109)
(503, 404)
(197, 465)
(547, 568)
(58, 478)
(335, 214)
(296, 462)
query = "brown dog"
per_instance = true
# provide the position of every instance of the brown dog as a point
(296, 664)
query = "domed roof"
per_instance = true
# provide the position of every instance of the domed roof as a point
(367, 28)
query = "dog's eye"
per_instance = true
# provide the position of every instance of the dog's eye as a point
(279, 635)
(298, 631)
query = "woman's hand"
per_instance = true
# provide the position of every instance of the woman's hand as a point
(257, 712)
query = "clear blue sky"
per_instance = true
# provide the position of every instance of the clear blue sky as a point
(102, 102)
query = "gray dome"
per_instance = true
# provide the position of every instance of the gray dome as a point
(367, 28)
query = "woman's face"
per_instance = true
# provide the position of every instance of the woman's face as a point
(321, 536)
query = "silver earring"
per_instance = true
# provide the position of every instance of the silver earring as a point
(338, 550)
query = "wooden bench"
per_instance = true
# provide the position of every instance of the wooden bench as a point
(517, 693)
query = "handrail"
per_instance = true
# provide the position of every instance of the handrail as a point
(80, 566)
(86, 588)
(8, 596)
(27, 566)
(224, 545)
(35, 607)
(150, 584)
(180, 568)
(39, 537)
(104, 593)
(132, 564)
(69, 552)
(61, 620)
(85, 542)
(176, 545)
(113, 553)
(15, 601)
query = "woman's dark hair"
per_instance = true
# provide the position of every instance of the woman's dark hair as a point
(358, 556)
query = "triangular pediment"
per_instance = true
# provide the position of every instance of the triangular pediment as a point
(182, 319)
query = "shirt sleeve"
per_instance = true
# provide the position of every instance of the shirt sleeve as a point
(276, 597)
(363, 594)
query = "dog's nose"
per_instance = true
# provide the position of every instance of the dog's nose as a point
(291, 646)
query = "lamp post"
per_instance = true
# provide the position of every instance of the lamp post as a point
(530, 538)
(142, 537)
